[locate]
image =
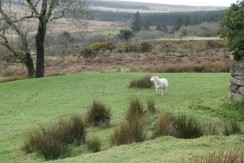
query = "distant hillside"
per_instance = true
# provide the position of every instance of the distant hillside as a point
(122, 6)
(154, 19)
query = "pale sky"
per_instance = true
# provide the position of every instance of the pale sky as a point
(190, 2)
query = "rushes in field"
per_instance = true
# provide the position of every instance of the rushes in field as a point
(98, 114)
(135, 110)
(143, 82)
(52, 142)
(150, 106)
(233, 156)
(178, 126)
(234, 127)
(94, 144)
(128, 132)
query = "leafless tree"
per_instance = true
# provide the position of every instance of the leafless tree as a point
(14, 14)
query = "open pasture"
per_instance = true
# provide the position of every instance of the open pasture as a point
(28, 104)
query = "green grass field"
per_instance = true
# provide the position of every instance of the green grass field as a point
(27, 104)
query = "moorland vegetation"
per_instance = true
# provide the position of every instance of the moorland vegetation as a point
(98, 104)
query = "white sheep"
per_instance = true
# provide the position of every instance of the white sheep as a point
(161, 85)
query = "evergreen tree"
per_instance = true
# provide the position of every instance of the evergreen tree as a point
(136, 22)
(125, 34)
(178, 23)
(146, 26)
(187, 20)
(162, 27)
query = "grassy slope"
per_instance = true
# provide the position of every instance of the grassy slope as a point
(27, 104)
(164, 149)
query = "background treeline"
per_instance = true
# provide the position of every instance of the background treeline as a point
(119, 5)
(153, 19)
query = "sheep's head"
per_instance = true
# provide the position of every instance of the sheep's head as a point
(152, 78)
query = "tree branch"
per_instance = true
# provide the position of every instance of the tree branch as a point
(52, 6)
(14, 27)
(59, 17)
(33, 7)
(9, 47)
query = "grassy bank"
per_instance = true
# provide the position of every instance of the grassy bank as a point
(27, 104)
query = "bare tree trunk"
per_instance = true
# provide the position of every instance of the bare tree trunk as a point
(29, 65)
(40, 53)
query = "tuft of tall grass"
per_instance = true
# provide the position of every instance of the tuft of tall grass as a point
(150, 106)
(46, 142)
(94, 144)
(212, 129)
(98, 114)
(179, 126)
(135, 109)
(75, 133)
(128, 132)
(188, 127)
(143, 82)
(31, 143)
(226, 131)
(166, 125)
(52, 142)
(233, 128)
(233, 156)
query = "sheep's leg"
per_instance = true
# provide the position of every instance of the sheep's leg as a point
(166, 91)
(162, 93)
(156, 91)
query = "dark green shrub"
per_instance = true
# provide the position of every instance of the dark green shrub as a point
(98, 114)
(145, 47)
(52, 142)
(102, 46)
(138, 47)
(94, 144)
(135, 110)
(143, 82)
(214, 44)
(128, 132)
(233, 27)
(125, 34)
(178, 126)
(132, 47)
(88, 53)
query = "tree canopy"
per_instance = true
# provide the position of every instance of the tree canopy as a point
(233, 27)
